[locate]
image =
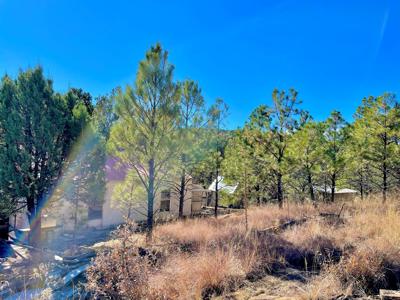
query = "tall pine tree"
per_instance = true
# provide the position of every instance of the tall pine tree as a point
(144, 136)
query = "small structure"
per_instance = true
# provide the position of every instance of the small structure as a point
(345, 194)
(222, 186)
(200, 197)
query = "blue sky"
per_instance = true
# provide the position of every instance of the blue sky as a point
(333, 52)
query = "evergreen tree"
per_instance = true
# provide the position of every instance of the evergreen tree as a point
(144, 136)
(305, 155)
(216, 142)
(358, 170)
(239, 168)
(34, 142)
(190, 126)
(104, 115)
(11, 181)
(271, 130)
(377, 119)
(336, 135)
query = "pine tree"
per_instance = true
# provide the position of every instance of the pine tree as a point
(144, 136)
(305, 155)
(271, 130)
(216, 142)
(378, 120)
(336, 135)
(190, 126)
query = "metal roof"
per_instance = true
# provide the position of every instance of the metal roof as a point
(222, 186)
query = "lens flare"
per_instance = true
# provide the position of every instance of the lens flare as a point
(65, 189)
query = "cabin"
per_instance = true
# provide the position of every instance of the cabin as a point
(63, 216)
(344, 194)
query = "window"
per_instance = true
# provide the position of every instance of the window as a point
(95, 212)
(165, 200)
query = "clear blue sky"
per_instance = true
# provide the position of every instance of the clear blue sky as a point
(332, 52)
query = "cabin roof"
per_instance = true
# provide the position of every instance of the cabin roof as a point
(222, 186)
(340, 191)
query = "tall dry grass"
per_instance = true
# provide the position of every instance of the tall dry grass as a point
(369, 242)
(197, 258)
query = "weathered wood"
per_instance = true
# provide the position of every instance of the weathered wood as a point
(277, 228)
(334, 215)
(389, 294)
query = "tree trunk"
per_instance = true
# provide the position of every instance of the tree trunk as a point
(245, 200)
(385, 184)
(257, 188)
(384, 168)
(333, 183)
(311, 188)
(280, 191)
(182, 193)
(150, 200)
(4, 228)
(216, 195)
(35, 220)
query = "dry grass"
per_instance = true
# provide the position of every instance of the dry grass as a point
(369, 242)
(200, 258)
(197, 276)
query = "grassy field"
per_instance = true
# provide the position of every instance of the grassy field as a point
(316, 254)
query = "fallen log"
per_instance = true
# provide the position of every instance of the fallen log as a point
(81, 258)
(290, 223)
(281, 227)
(389, 294)
(334, 215)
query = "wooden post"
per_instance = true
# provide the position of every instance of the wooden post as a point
(245, 199)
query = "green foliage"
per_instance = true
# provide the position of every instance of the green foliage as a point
(145, 135)
(336, 135)
(104, 115)
(211, 139)
(33, 127)
(191, 126)
(130, 196)
(376, 126)
(270, 129)
(240, 167)
(37, 131)
(305, 156)
(11, 181)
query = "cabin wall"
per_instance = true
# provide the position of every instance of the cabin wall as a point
(112, 215)
(60, 214)
(174, 201)
(345, 196)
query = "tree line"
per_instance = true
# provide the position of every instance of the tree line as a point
(164, 131)
(288, 154)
